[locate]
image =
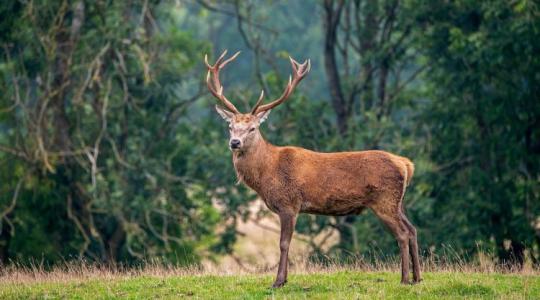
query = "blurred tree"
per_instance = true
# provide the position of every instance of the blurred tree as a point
(94, 145)
(484, 125)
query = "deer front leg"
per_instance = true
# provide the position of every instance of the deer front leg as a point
(287, 220)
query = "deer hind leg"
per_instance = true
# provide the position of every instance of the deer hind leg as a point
(413, 243)
(399, 229)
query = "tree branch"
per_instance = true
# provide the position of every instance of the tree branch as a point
(13, 203)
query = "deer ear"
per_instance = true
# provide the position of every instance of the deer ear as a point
(225, 114)
(263, 115)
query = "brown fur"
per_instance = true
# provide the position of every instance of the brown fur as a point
(322, 183)
(293, 180)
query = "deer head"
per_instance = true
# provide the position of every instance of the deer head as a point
(244, 128)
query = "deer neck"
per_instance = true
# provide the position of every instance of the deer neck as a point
(252, 164)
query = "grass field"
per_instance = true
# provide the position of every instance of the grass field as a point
(339, 284)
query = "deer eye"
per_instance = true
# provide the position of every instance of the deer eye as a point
(252, 129)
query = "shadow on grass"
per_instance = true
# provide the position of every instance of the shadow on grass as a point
(296, 289)
(462, 289)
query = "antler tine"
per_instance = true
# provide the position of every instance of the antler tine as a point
(294, 63)
(220, 58)
(214, 85)
(254, 110)
(299, 72)
(217, 61)
(230, 59)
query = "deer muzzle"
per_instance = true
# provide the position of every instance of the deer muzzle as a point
(235, 144)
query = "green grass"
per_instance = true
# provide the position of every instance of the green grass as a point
(337, 285)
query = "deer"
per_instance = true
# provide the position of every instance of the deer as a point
(293, 180)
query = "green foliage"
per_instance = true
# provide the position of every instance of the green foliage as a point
(143, 197)
(484, 119)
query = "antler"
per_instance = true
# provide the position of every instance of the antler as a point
(300, 71)
(215, 86)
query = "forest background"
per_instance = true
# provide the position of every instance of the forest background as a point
(111, 151)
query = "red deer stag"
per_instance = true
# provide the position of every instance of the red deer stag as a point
(293, 180)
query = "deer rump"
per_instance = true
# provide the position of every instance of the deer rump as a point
(334, 184)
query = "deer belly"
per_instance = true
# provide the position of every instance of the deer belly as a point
(338, 202)
(337, 207)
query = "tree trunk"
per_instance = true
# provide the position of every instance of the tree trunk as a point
(331, 22)
(115, 242)
(5, 238)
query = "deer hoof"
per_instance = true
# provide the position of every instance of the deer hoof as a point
(405, 282)
(278, 284)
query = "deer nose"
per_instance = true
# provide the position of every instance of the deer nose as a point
(235, 143)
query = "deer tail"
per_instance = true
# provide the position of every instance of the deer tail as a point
(410, 170)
